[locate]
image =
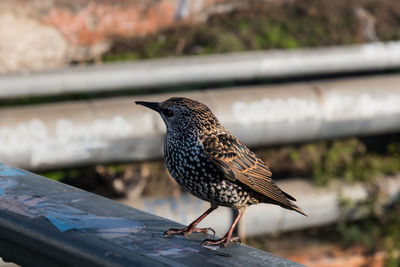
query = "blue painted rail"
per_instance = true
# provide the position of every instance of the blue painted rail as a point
(46, 223)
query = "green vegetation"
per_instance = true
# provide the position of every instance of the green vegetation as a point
(380, 231)
(56, 175)
(223, 34)
(351, 160)
(265, 26)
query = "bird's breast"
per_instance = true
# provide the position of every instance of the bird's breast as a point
(192, 168)
(188, 164)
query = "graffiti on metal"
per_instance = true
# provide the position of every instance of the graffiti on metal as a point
(363, 106)
(76, 141)
(275, 110)
(333, 105)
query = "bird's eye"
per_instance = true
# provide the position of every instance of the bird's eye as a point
(168, 113)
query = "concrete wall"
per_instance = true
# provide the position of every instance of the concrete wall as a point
(44, 34)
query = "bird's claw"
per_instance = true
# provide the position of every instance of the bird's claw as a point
(207, 231)
(220, 242)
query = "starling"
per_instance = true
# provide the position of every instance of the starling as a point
(213, 165)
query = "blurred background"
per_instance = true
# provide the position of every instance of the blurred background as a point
(311, 86)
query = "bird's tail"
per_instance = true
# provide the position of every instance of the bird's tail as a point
(287, 205)
(296, 208)
(292, 206)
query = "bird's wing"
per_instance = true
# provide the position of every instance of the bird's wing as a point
(237, 162)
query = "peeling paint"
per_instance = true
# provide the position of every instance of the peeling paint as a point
(176, 251)
(67, 218)
(117, 232)
(64, 217)
(5, 183)
(9, 171)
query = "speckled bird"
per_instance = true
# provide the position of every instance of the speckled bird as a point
(213, 165)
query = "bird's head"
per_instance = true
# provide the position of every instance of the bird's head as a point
(183, 114)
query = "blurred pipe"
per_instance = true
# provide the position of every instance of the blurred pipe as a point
(213, 68)
(264, 218)
(116, 130)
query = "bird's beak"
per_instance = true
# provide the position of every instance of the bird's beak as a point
(152, 105)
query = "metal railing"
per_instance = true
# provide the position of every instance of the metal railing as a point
(213, 68)
(116, 130)
(46, 223)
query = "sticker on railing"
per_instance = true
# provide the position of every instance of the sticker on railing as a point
(10, 171)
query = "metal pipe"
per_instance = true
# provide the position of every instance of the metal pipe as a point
(213, 68)
(116, 130)
(264, 218)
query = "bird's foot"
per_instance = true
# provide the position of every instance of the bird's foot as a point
(188, 231)
(225, 241)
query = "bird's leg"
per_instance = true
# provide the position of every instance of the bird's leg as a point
(191, 228)
(228, 236)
